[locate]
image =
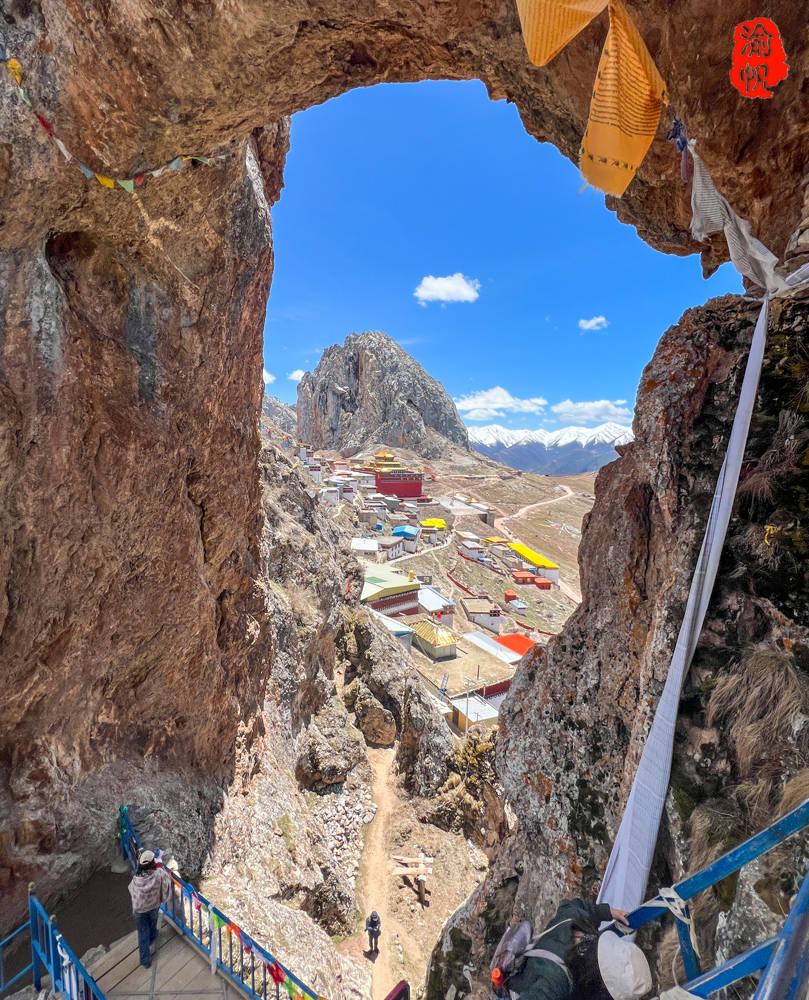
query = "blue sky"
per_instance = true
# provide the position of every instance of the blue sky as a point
(432, 187)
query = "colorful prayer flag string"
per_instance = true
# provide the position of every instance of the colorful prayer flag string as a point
(127, 183)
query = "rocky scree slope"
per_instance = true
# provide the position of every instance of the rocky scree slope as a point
(575, 719)
(286, 843)
(280, 416)
(370, 390)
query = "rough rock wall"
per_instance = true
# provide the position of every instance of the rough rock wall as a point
(131, 620)
(130, 341)
(371, 390)
(575, 720)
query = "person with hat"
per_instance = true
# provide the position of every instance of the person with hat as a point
(373, 925)
(150, 886)
(551, 966)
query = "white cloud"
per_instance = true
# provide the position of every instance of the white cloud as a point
(451, 288)
(487, 404)
(297, 375)
(268, 379)
(598, 411)
(594, 323)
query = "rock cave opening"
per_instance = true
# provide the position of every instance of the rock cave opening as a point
(151, 551)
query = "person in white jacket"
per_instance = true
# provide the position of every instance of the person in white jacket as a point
(150, 886)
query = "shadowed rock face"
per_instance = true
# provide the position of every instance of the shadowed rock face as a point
(575, 720)
(371, 390)
(133, 621)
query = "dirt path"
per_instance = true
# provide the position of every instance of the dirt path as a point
(424, 552)
(500, 522)
(373, 882)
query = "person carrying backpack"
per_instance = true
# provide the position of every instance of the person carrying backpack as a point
(373, 925)
(538, 967)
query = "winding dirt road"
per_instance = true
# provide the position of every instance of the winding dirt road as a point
(501, 526)
(500, 522)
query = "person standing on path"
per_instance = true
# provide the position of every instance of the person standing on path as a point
(150, 886)
(373, 925)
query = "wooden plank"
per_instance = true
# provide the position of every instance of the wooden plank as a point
(203, 982)
(122, 972)
(191, 970)
(119, 949)
(169, 960)
(128, 975)
(422, 860)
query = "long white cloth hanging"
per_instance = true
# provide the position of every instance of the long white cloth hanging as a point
(630, 862)
(711, 213)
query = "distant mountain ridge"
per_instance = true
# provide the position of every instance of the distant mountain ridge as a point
(558, 453)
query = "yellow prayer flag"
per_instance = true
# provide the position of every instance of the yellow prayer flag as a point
(629, 92)
(16, 71)
(108, 182)
(625, 110)
(548, 25)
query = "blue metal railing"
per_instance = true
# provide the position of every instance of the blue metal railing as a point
(251, 967)
(5, 947)
(783, 959)
(51, 956)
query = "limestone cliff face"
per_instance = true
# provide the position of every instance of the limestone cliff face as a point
(136, 636)
(575, 720)
(370, 390)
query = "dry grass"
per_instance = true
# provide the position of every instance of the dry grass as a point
(761, 699)
(799, 369)
(795, 792)
(769, 554)
(715, 826)
(778, 460)
(669, 967)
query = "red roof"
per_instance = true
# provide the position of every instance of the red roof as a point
(515, 642)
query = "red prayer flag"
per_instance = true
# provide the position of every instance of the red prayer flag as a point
(44, 123)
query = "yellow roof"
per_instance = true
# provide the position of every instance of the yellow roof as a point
(383, 454)
(435, 634)
(532, 557)
(384, 581)
(435, 522)
(494, 540)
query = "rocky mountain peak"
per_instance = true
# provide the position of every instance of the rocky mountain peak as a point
(371, 390)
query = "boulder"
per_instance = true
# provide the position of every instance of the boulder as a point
(376, 722)
(328, 749)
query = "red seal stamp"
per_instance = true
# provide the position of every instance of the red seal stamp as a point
(759, 60)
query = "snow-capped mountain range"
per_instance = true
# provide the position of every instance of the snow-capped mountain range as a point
(563, 452)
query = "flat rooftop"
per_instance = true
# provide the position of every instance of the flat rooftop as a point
(464, 665)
